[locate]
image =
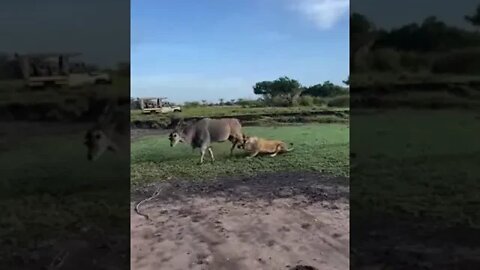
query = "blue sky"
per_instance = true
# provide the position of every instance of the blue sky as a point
(68, 26)
(192, 50)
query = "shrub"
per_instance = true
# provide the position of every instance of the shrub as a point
(384, 60)
(340, 101)
(295, 101)
(319, 101)
(459, 62)
(280, 101)
(415, 62)
(247, 103)
(306, 101)
(191, 104)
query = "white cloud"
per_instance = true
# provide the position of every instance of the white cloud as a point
(324, 13)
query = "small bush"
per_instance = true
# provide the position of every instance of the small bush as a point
(319, 101)
(280, 101)
(384, 60)
(459, 62)
(250, 103)
(415, 62)
(295, 101)
(192, 104)
(340, 101)
(306, 101)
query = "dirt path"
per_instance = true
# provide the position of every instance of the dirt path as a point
(272, 221)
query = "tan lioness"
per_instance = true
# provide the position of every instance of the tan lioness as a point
(255, 145)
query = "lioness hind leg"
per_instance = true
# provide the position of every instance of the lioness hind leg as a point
(253, 155)
(277, 150)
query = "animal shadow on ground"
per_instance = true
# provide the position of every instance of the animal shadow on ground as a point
(303, 267)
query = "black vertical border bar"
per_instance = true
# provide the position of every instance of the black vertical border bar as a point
(60, 209)
(415, 153)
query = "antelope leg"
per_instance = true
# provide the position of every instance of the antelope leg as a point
(233, 147)
(203, 154)
(211, 153)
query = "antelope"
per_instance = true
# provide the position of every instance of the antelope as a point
(206, 131)
(110, 133)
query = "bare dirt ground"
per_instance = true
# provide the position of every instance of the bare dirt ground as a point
(271, 221)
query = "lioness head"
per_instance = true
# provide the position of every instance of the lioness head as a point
(241, 144)
(249, 142)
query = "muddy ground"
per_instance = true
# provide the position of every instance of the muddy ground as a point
(271, 221)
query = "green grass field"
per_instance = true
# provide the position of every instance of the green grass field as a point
(14, 92)
(432, 173)
(322, 148)
(48, 189)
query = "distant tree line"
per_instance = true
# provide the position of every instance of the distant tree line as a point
(9, 67)
(431, 46)
(284, 92)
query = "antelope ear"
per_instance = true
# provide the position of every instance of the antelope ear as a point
(107, 113)
(180, 122)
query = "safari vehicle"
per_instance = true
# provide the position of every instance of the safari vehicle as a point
(157, 105)
(56, 69)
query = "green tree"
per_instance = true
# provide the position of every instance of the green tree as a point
(475, 18)
(283, 86)
(359, 24)
(431, 35)
(327, 89)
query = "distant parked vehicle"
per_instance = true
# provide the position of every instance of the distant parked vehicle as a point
(56, 69)
(157, 105)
